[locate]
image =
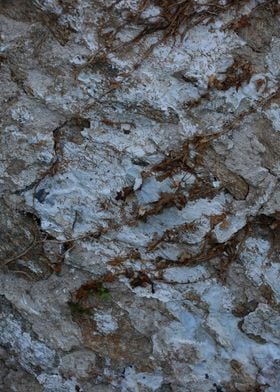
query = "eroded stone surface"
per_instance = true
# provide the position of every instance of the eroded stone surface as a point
(139, 182)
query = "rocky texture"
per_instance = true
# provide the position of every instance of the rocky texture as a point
(140, 196)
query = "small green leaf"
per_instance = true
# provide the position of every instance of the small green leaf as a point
(104, 293)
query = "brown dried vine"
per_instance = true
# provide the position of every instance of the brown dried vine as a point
(174, 19)
(238, 73)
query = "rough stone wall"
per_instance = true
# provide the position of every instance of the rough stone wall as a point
(139, 180)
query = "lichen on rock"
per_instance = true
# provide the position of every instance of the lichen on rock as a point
(139, 187)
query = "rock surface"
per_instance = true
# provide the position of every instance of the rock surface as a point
(140, 196)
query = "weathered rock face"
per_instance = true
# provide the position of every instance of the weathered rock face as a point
(140, 196)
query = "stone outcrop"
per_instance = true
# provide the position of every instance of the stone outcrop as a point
(140, 197)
